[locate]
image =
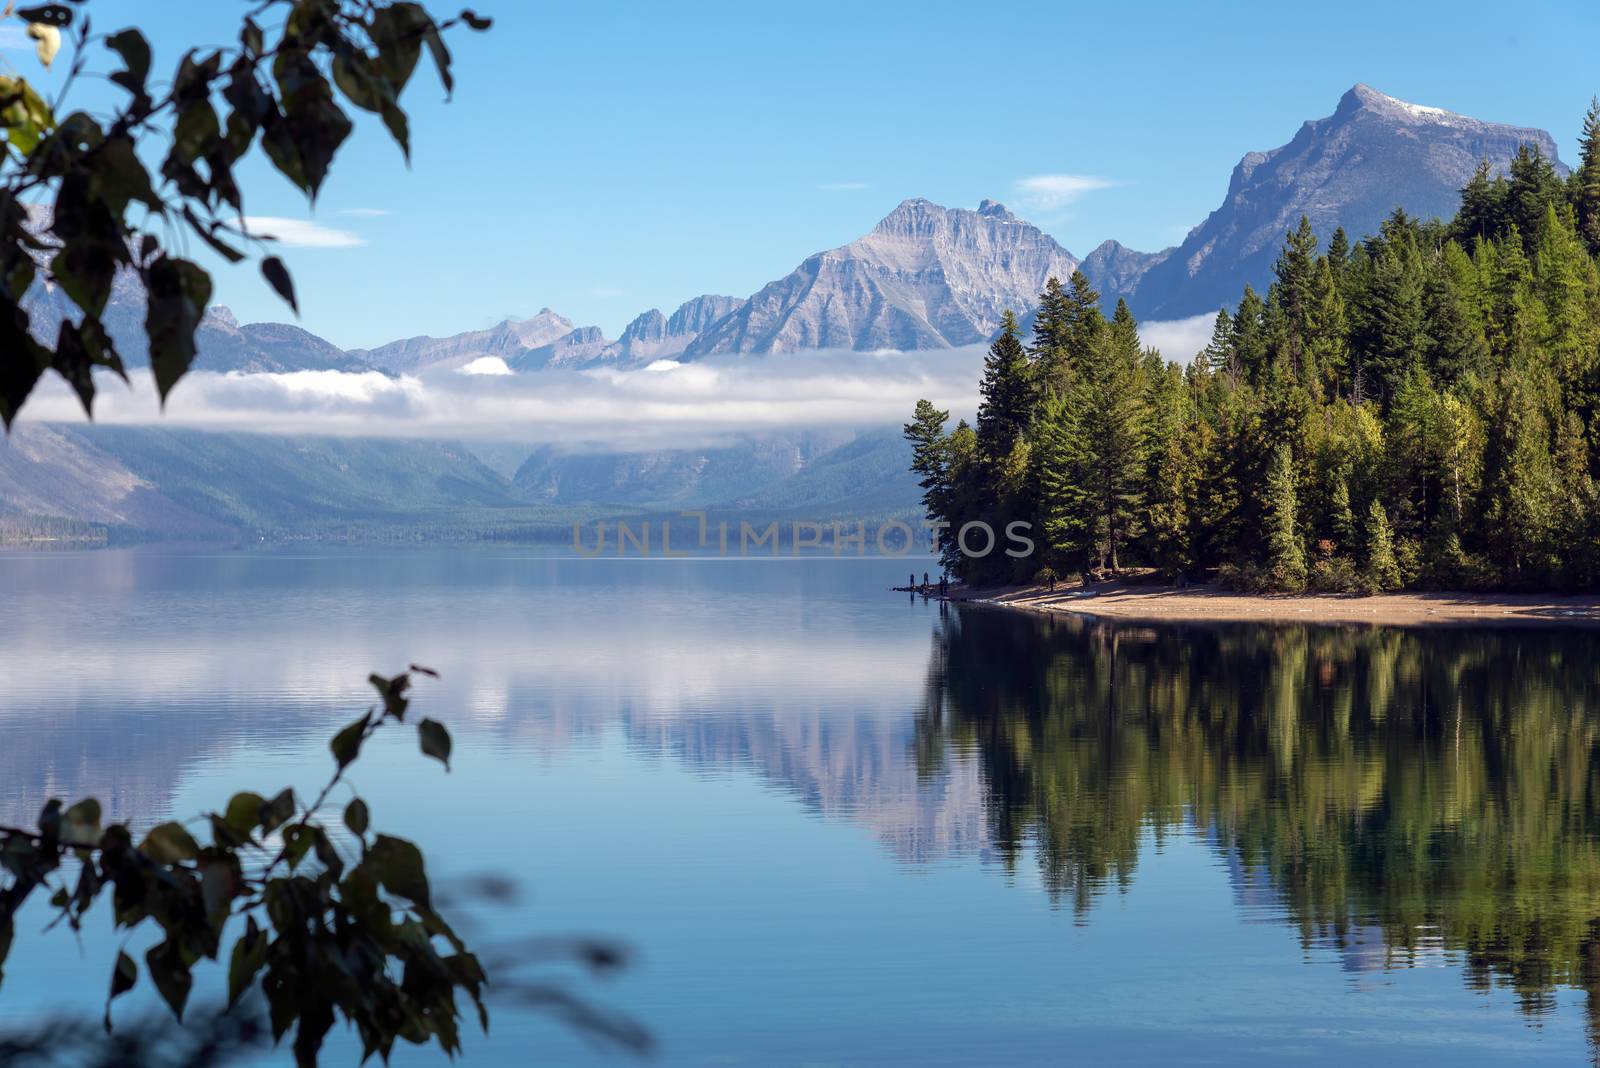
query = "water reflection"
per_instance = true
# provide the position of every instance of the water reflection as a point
(1401, 794)
(1399, 799)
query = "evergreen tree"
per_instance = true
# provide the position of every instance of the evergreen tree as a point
(1382, 570)
(1532, 190)
(1219, 353)
(1007, 395)
(1342, 518)
(1426, 400)
(930, 458)
(1585, 181)
(1286, 559)
(1482, 215)
(1339, 255)
(1113, 420)
(1068, 509)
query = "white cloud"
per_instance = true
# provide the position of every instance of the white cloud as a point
(1052, 192)
(486, 365)
(365, 213)
(1179, 339)
(668, 404)
(845, 187)
(301, 233)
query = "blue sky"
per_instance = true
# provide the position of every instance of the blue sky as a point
(603, 158)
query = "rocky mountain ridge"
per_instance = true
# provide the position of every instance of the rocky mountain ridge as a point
(929, 277)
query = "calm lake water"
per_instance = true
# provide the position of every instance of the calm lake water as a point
(841, 827)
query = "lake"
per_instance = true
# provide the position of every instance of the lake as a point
(842, 826)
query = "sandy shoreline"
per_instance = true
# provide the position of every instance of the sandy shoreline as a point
(1213, 604)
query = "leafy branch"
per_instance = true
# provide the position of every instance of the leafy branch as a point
(70, 185)
(336, 921)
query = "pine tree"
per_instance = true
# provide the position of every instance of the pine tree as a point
(1382, 570)
(1286, 559)
(1084, 322)
(1250, 336)
(1533, 189)
(1585, 181)
(1068, 512)
(1339, 255)
(1113, 423)
(1342, 518)
(1482, 216)
(930, 457)
(1007, 395)
(1219, 354)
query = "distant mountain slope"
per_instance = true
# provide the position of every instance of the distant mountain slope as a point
(927, 277)
(506, 339)
(223, 344)
(671, 477)
(1351, 169)
(653, 336)
(154, 482)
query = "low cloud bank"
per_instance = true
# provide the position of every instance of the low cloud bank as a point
(667, 404)
(681, 405)
(1179, 339)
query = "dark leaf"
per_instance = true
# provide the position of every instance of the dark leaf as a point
(219, 885)
(277, 812)
(178, 294)
(250, 37)
(397, 31)
(249, 956)
(420, 670)
(435, 741)
(80, 824)
(243, 814)
(441, 56)
(356, 816)
(169, 843)
(397, 865)
(277, 276)
(22, 359)
(197, 127)
(170, 974)
(346, 745)
(393, 692)
(123, 977)
(475, 20)
(135, 52)
(73, 363)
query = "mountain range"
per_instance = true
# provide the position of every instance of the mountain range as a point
(934, 277)
(926, 277)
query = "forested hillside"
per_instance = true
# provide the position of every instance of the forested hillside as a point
(1418, 408)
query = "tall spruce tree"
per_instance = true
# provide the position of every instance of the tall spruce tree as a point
(1286, 559)
(1381, 569)
(1007, 394)
(1585, 181)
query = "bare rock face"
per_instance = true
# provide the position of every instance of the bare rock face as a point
(653, 336)
(927, 277)
(1351, 169)
(579, 348)
(507, 340)
(1116, 269)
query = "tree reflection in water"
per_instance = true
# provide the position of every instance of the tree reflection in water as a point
(1401, 792)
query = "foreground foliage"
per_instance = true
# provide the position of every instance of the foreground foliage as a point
(330, 920)
(1420, 409)
(81, 208)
